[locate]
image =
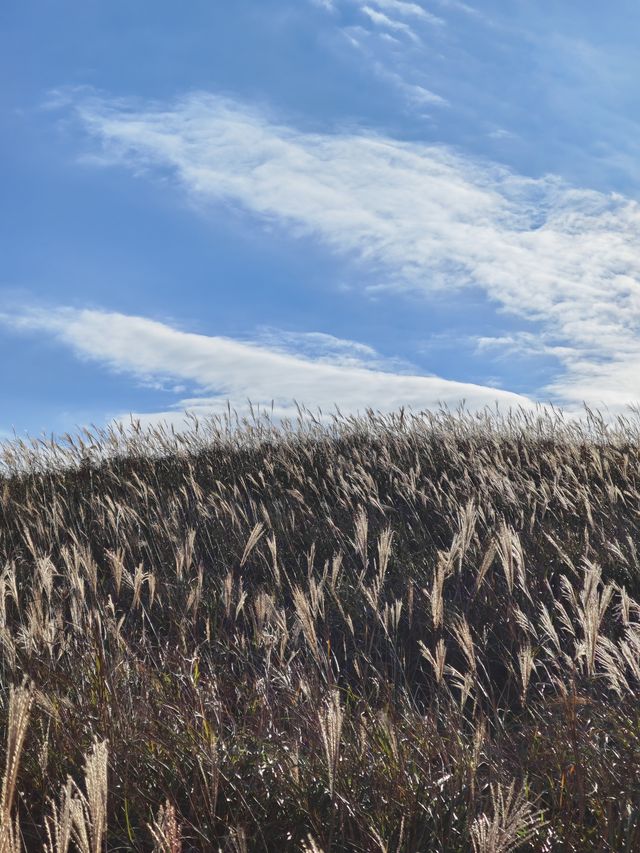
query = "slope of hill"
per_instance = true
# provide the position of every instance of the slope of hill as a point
(396, 634)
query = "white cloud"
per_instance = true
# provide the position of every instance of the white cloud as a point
(422, 95)
(391, 46)
(423, 217)
(382, 20)
(322, 347)
(502, 133)
(461, 7)
(415, 94)
(332, 372)
(409, 10)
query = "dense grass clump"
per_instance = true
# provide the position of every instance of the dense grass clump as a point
(405, 633)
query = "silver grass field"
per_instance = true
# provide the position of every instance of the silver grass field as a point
(386, 633)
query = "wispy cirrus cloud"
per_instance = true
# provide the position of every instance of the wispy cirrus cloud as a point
(382, 20)
(316, 370)
(408, 10)
(459, 6)
(389, 35)
(418, 217)
(413, 93)
(328, 349)
(401, 8)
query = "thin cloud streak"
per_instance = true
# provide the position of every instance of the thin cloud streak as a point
(392, 46)
(340, 373)
(415, 94)
(422, 217)
(382, 20)
(409, 10)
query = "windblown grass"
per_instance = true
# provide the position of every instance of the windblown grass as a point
(409, 633)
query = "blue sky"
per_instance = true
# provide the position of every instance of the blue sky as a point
(359, 202)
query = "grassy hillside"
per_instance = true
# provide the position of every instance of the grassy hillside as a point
(401, 634)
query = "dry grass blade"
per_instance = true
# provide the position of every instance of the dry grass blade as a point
(59, 824)
(89, 808)
(513, 823)
(361, 534)
(330, 719)
(385, 542)
(306, 618)
(462, 632)
(311, 845)
(526, 662)
(20, 702)
(254, 537)
(10, 837)
(436, 659)
(237, 841)
(437, 601)
(166, 830)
